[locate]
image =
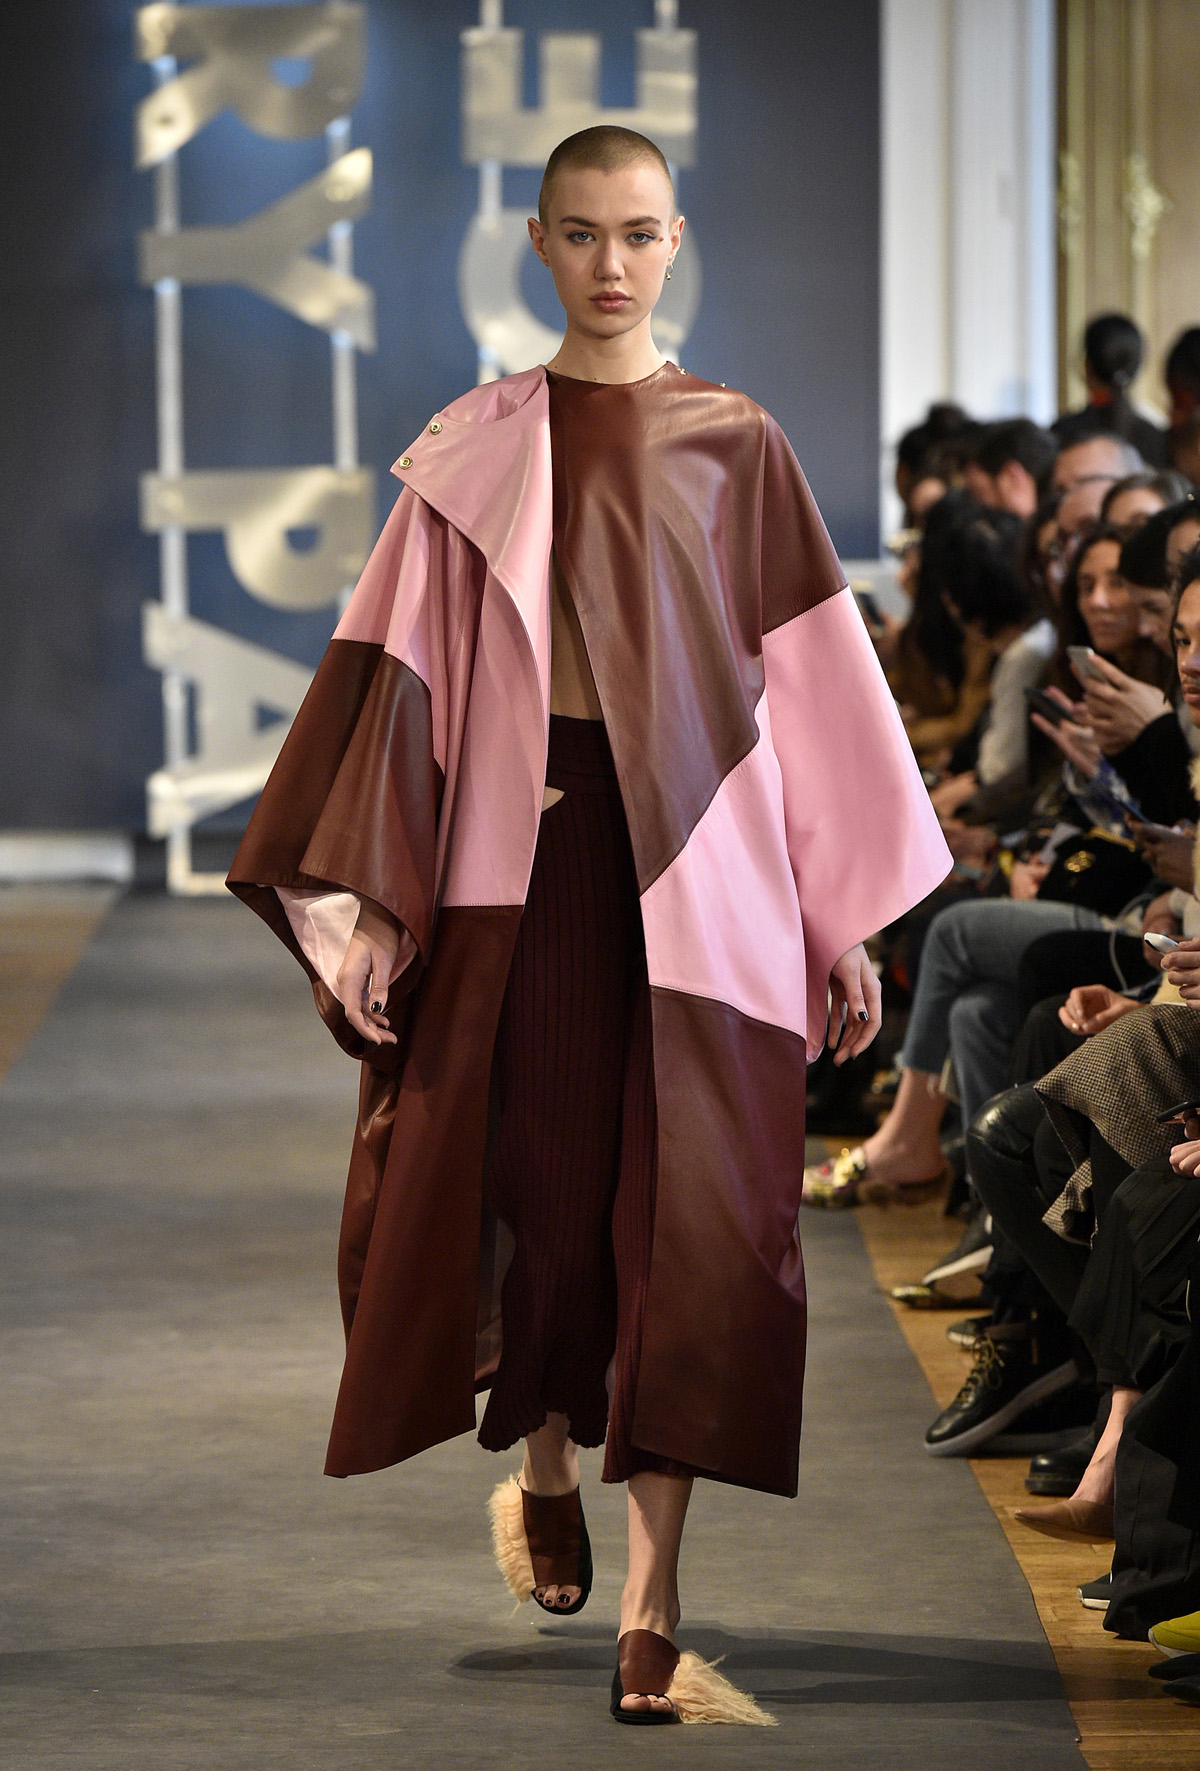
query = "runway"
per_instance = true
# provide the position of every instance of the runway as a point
(185, 1589)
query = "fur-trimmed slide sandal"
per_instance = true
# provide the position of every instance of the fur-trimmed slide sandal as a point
(650, 1666)
(541, 1541)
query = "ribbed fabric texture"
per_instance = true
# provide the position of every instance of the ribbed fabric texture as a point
(571, 1169)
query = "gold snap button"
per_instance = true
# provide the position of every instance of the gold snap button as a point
(406, 461)
(434, 428)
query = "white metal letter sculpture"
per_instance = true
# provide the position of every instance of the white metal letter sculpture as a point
(498, 131)
(218, 747)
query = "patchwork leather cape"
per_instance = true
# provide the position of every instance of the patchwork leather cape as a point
(776, 817)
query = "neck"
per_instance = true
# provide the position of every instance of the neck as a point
(630, 357)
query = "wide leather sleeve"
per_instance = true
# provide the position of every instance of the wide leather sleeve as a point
(351, 808)
(862, 837)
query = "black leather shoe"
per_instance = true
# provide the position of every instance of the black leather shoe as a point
(1180, 1666)
(1187, 1689)
(1058, 1472)
(1004, 1381)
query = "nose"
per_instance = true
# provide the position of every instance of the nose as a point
(610, 267)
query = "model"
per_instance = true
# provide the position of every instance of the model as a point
(591, 804)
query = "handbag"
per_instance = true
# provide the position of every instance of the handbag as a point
(1097, 872)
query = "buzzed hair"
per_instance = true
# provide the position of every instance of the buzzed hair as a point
(605, 148)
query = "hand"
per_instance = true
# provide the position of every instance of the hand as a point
(1091, 1007)
(366, 970)
(856, 1008)
(973, 844)
(1074, 736)
(1025, 879)
(1119, 708)
(1172, 857)
(1182, 967)
(1185, 1158)
(953, 792)
(1159, 919)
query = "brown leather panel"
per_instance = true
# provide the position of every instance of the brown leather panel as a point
(352, 805)
(684, 528)
(647, 1663)
(722, 1366)
(553, 1531)
(409, 1262)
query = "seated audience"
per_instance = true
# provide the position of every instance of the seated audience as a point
(943, 424)
(1011, 465)
(1181, 372)
(966, 1006)
(1138, 496)
(1098, 462)
(1113, 351)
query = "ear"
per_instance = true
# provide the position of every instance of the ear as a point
(537, 235)
(675, 233)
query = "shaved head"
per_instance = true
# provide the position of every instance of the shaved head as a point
(606, 148)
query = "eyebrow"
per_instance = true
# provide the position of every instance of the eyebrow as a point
(638, 222)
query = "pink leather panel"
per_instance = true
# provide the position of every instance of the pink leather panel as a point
(723, 920)
(323, 922)
(427, 597)
(863, 838)
(487, 470)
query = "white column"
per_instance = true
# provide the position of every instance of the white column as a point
(967, 230)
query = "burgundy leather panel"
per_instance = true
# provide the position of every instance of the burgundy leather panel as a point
(409, 1261)
(722, 1367)
(350, 805)
(684, 528)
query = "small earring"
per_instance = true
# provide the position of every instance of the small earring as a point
(668, 273)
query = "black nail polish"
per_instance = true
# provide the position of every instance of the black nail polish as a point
(376, 1007)
(863, 1015)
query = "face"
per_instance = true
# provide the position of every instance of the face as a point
(906, 572)
(1016, 490)
(1081, 506)
(609, 239)
(1105, 604)
(1054, 554)
(1153, 615)
(1186, 635)
(1183, 537)
(924, 495)
(1097, 458)
(981, 485)
(1129, 510)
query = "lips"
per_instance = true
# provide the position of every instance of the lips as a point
(612, 302)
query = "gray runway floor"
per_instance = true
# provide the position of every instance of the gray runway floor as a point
(183, 1588)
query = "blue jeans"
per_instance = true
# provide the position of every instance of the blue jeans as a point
(966, 1002)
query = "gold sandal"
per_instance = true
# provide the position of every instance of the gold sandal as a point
(845, 1180)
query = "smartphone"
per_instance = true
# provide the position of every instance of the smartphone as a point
(869, 608)
(1040, 702)
(1083, 661)
(1176, 1112)
(1144, 831)
(1160, 943)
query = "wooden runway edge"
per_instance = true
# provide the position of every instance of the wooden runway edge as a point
(1125, 1722)
(43, 932)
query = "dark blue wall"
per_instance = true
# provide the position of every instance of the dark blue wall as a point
(784, 200)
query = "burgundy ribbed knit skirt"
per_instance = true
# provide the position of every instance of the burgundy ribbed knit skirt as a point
(572, 1162)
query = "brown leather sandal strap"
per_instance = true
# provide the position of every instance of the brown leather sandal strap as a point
(647, 1663)
(553, 1530)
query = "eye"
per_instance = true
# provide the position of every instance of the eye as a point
(579, 235)
(641, 239)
